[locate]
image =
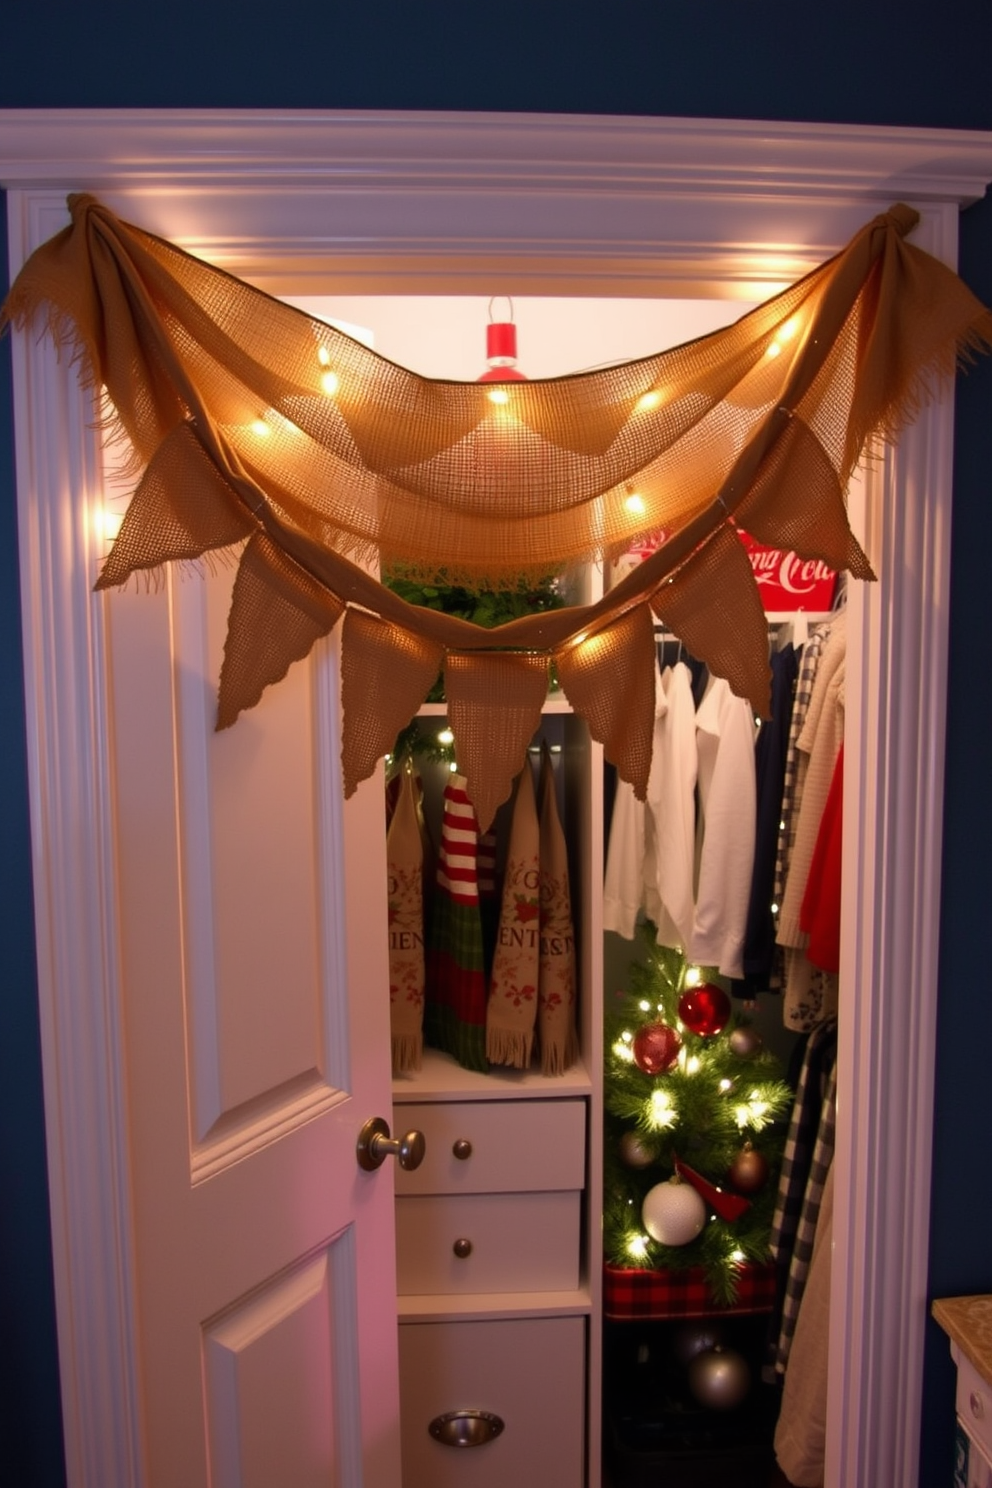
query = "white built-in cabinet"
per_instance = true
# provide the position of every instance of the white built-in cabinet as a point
(498, 1231)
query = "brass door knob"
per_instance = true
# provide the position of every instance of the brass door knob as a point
(462, 1248)
(375, 1145)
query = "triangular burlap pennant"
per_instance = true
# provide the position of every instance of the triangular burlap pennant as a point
(385, 675)
(608, 678)
(455, 1011)
(817, 526)
(511, 1015)
(183, 507)
(556, 981)
(277, 613)
(712, 604)
(405, 870)
(494, 709)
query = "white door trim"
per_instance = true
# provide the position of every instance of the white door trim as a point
(379, 202)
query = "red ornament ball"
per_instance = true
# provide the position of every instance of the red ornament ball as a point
(656, 1048)
(705, 1010)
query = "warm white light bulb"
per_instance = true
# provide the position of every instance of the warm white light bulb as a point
(323, 356)
(623, 1051)
(635, 503)
(645, 1007)
(637, 1247)
(108, 523)
(692, 976)
(446, 736)
(330, 382)
(647, 400)
(498, 395)
(260, 428)
(774, 348)
(692, 1065)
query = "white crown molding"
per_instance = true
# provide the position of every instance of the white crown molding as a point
(596, 202)
(417, 199)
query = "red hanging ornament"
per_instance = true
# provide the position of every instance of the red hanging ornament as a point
(705, 1010)
(727, 1206)
(655, 1048)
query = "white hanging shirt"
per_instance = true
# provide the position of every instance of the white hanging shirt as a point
(725, 735)
(649, 861)
(671, 817)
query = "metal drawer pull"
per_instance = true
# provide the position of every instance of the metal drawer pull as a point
(977, 1405)
(375, 1145)
(462, 1248)
(466, 1428)
(462, 1149)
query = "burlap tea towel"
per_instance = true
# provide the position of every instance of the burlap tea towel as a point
(405, 870)
(556, 982)
(512, 1013)
(455, 1011)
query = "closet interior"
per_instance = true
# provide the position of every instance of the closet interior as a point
(513, 1340)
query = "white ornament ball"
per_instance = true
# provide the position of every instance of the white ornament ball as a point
(673, 1213)
(719, 1378)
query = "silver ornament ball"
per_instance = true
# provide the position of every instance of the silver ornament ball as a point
(719, 1378)
(673, 1213)
(696, 1338)
(634, 1151)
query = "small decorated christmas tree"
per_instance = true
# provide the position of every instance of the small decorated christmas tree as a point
(696, 1107)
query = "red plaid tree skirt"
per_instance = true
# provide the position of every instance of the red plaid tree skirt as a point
(630, 1294)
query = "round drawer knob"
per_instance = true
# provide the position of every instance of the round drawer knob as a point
(462, 1248)
(462, 1149)
(977, 1404)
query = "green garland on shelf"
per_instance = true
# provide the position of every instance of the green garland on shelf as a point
(485, 607)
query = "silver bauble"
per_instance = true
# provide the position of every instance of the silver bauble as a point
(635, 1152)
(673, 1213)
(744, 1041)
(696, 1338)
(719, 1378)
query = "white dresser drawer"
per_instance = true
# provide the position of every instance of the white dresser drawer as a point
(495, 1146)
(488, 1243)
(528, 1372)
(974, 1404)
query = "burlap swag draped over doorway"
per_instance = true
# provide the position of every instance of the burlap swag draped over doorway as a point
(254, 425)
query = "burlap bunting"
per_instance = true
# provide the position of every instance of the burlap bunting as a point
(253, 419)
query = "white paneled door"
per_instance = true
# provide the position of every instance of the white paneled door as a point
(255, 1006)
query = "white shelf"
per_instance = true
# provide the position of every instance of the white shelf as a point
(479, 1306)
(442, 1078)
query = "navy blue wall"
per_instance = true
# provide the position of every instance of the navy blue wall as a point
(858, 61)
